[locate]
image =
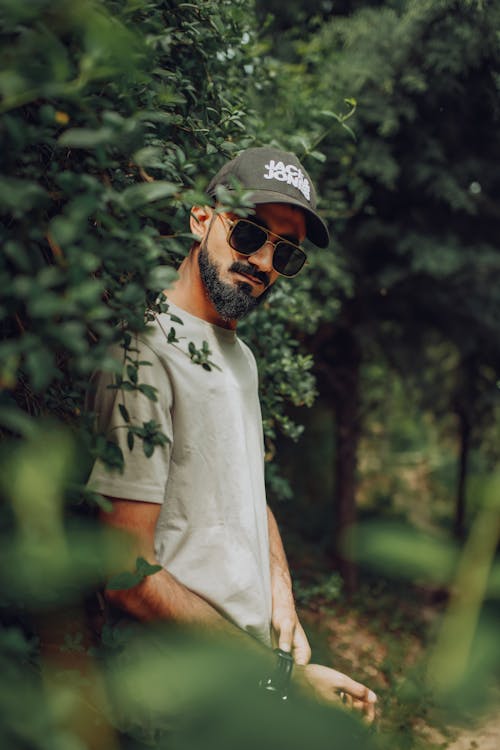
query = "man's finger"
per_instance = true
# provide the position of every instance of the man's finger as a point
(370, 711)
(356, 689)
(286, 633)
(367, 708)
(301, 648)
(302, 654)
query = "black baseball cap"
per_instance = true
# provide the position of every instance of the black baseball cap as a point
(274, 176)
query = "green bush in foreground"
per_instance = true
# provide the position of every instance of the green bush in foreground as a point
(113, 117)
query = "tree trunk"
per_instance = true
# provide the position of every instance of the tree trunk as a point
(347, 413)
(465, 445)
(465, 404)
(338, 362)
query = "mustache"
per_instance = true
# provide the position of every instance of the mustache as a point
(249, 270)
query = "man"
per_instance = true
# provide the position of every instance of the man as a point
(197, 506)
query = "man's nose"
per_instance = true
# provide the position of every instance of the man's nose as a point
(263, 258)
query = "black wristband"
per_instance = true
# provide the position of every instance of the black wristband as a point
(279, 680)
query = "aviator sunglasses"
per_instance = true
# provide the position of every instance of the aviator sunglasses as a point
(247, 237)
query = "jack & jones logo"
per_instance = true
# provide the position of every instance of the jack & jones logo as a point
(289, 174)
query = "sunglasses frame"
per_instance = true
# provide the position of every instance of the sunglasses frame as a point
(234, 222)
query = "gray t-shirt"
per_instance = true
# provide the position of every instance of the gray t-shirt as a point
(212, 532)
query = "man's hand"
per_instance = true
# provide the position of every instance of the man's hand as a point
(330, 686)
(288, 633)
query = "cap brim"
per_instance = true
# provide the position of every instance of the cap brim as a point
(316, 229)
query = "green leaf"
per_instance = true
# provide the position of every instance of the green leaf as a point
(162, 277)
(146, 569)
(127, 580)
(19, 195)
(124, 412)
(130, 440)
(148, 448)
(17, 252)
(132, 373)
(112, 456)
(172, 336)
(40, 367)
(16, 420)
(64, 230)
(45, 305)
(86, 138)
(127, 340)
(318, 155)
(148, 391)
(100, 500)
(148, 192)
(329, 113)
(123, 581)
(149, 156)
(124, 386)
(350, 131)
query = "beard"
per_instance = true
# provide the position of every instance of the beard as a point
(231, 301)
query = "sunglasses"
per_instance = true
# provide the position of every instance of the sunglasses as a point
(247, 237)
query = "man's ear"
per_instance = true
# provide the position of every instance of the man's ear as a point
(200, 220)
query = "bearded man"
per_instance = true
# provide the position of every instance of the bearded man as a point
(197, 507)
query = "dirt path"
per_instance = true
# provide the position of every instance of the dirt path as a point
(355, 647)
(484, 737)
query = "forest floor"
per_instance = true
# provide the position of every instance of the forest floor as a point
(350, 644)
(381, 637)
(484, 736)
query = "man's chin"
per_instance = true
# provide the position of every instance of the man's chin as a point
(246, 288)
(232, 299)
(240, 304)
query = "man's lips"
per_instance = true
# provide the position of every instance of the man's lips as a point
(250, 274)
(251, 278)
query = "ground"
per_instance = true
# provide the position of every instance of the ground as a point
(381, 637)
(485, 736)
(356, 647)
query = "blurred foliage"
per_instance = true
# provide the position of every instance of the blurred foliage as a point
(139, 686)
(405, 344)
(412, 286)
(99, 137)
(413, 197)
(113, 117)
(461, 667)
(209, 694)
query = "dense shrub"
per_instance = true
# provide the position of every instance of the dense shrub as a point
(114, 115)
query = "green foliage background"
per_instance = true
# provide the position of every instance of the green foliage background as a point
(108, 139)
(114, 115)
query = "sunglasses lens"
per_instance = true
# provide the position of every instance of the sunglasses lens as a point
(246, 238)
(287, 259)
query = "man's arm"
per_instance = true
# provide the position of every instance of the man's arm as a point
(159, 596)
(326, 684)
(162, 597)
(287, 629)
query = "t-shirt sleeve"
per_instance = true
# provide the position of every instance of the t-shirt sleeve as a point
(142, 478)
